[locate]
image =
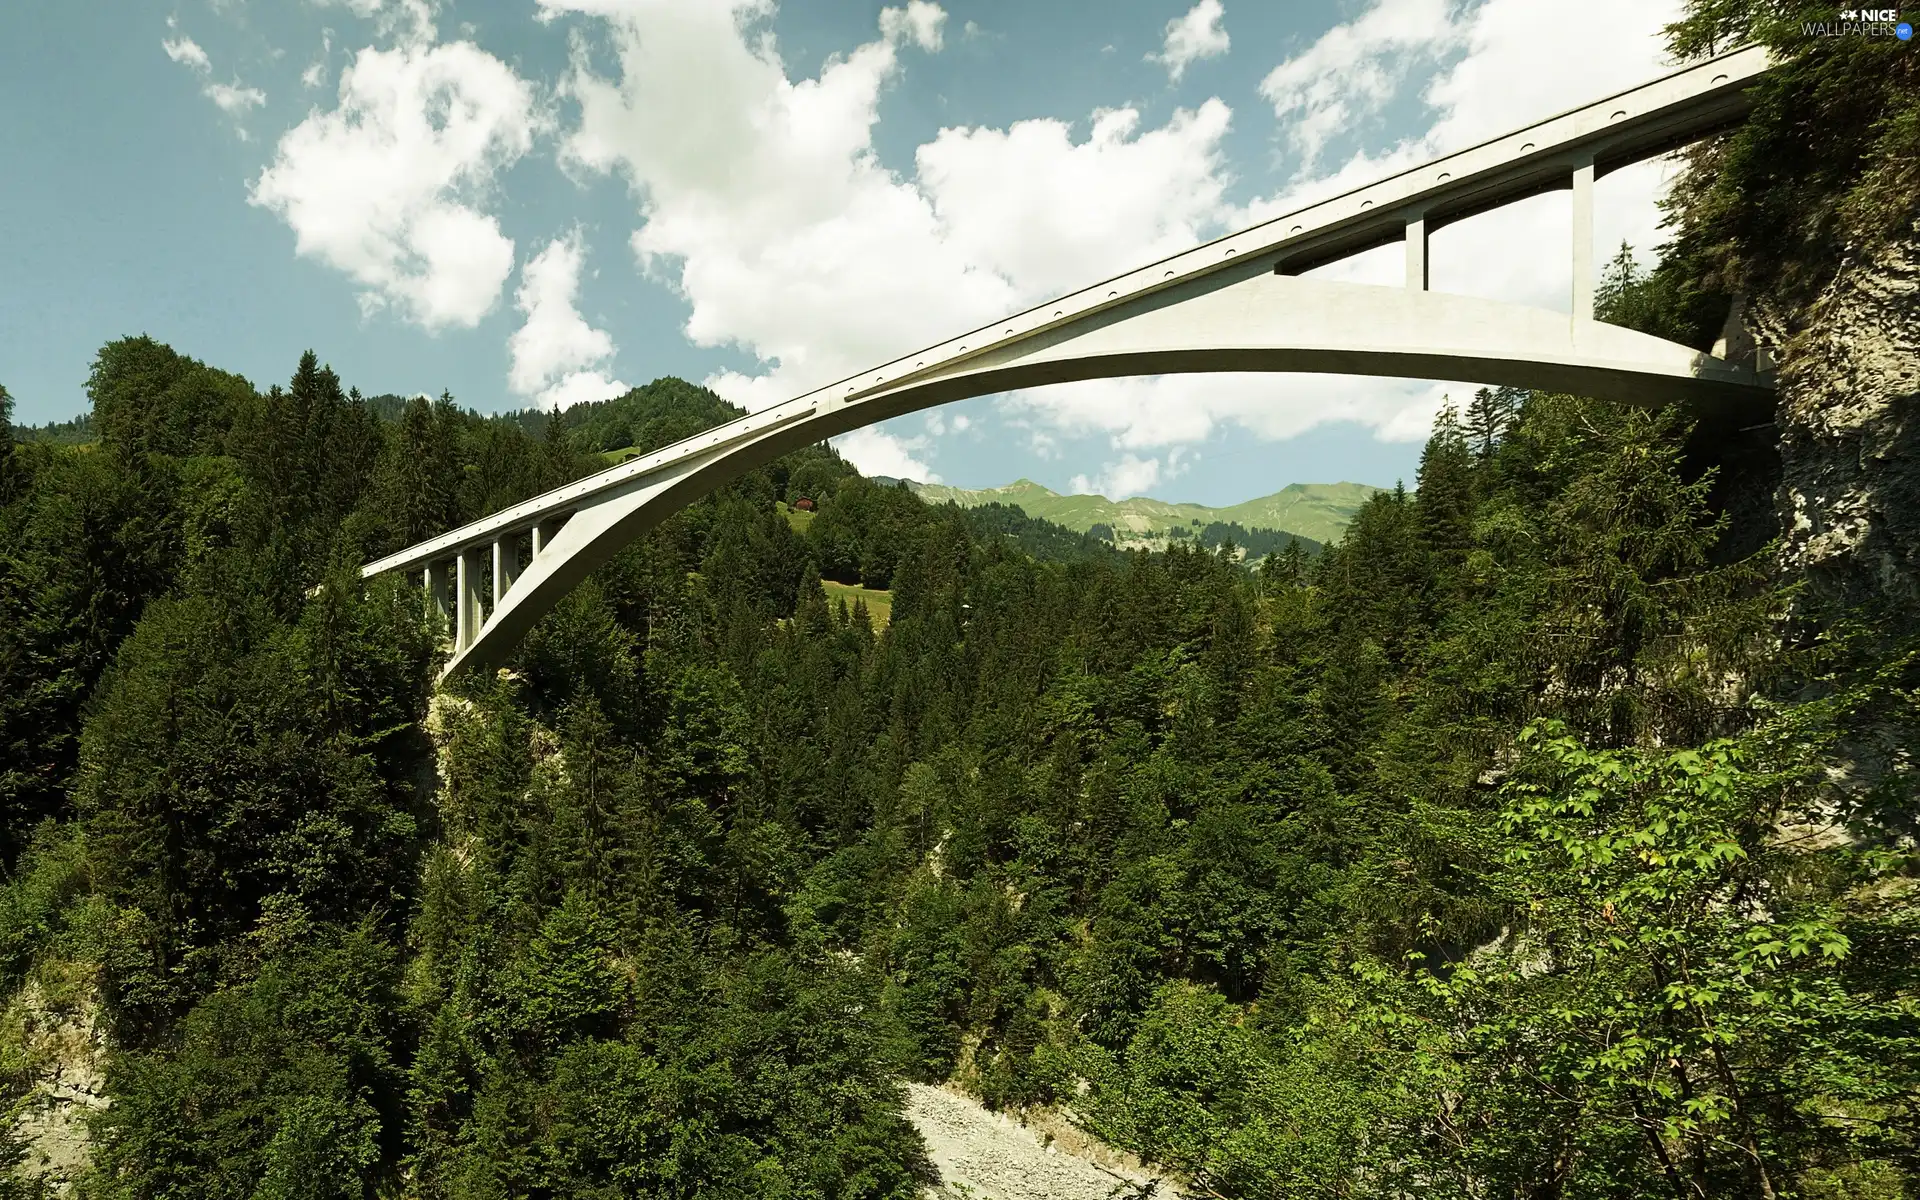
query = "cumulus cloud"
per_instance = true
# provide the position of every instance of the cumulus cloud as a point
(1130, 476)
(768, 209)
(920, 22)
(1195, 36)
(1355, 68)
(877, 452)
(1049, 214)
(557, 357)
(386, 187)
(1492, 84)
(765, 204)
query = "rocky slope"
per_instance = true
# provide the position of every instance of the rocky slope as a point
(984, 1155)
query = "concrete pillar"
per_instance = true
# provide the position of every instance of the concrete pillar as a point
(467, 600)
(542, 534)
(1417, 254)
(439, 592)
(506, 566)
(1583, 279)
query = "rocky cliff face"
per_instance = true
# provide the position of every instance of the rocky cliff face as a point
(1849, 430)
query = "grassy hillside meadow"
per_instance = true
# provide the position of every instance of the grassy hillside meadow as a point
(1319, 512)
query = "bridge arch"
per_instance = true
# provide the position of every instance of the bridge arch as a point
(1231, 305)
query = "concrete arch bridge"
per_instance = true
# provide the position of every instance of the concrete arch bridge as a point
(1234, 304)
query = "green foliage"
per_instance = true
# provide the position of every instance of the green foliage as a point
(149, 400)
(1668, 302)
(646, 418)
(272, 1087)
(1494, 850)
(1827, 165)
(83, 547)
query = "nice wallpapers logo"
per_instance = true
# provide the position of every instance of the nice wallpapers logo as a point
(1863, 22)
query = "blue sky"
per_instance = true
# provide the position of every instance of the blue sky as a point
(533, 201)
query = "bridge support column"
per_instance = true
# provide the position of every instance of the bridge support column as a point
(467, 600)
(1583, 279)
(542, 534)
(439, 592)
(506, 566)
(1417, 254)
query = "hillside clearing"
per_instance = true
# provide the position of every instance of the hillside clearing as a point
(879, 603)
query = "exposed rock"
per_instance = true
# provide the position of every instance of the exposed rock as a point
(984, 1155)
(1849, 426)
(64, 1051)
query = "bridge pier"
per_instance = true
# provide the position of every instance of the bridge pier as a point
(1417, 253)
(542, 534)
(467, 600)
(1583, 280)
(506, 565)
(439, 592)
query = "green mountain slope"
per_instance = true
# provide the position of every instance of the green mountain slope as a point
(1317, 511)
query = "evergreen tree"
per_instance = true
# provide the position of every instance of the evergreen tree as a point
(1489, 418)
(1446, 489)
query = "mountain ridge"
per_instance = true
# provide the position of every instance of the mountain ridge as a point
(1319, 512)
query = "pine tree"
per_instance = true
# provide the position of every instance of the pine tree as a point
(7, 470)
(1489, 417)
(1446, 488)
(1293, 563)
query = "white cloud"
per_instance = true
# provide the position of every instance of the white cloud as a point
(1049, 214)
(188, 52)
(1195, 36)
(581, 387)
(1355, 68)
(384, 187)
(768, 209)
(877, 452)
(1130, 476)
(316, 72)
(919, 22)
(234, 99)
(408, 22)
(1150, 412)
(556, 356)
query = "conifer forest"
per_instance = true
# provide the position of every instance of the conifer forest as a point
(1549, 835)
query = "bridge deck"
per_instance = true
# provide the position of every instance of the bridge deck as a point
(1558, 152)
